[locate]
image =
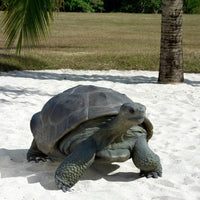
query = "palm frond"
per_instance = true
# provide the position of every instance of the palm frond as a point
(26, 21)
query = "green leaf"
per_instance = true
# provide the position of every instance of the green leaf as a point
(26, 21)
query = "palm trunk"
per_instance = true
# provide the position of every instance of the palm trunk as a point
(171, 53)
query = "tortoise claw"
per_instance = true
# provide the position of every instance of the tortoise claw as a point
(61, 186)
(150, 174)
(153, 173)
(38, 158)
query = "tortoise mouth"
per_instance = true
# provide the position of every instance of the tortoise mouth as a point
(137, 120)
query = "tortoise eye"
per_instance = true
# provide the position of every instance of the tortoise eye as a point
(131, 110)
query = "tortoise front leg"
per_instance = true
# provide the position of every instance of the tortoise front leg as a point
(146, 160)
(34, 154)
(74, 165)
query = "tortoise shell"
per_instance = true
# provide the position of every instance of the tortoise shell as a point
(67, 110)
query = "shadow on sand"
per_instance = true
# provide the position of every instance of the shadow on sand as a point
(74, 77)
(93, 78)
(14, 164)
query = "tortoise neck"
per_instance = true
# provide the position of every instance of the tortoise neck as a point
(111, 132)
(120, 125)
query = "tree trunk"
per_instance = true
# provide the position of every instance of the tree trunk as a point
(171, 53)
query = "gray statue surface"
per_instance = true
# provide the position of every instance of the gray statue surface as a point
(88, 123)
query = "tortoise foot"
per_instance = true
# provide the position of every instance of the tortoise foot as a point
(61, 186)
(152, 174)
(34, 154)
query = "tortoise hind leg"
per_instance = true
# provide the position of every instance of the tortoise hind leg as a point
(75, 165)
(34, 154)
(146, 160)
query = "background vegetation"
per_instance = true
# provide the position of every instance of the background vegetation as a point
(132, 6)
(103, 41)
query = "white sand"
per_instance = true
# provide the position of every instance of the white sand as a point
(173, 109)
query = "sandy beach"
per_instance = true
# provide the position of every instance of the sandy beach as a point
(174, 110)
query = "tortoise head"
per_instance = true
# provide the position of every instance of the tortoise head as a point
(133, 112)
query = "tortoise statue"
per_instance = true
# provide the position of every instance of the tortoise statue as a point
(87, 123)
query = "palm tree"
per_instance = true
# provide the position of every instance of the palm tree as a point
(171, 53)
(26, 21)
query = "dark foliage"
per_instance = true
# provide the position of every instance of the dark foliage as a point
(132, 6)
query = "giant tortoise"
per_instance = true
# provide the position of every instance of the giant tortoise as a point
(87, 123)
